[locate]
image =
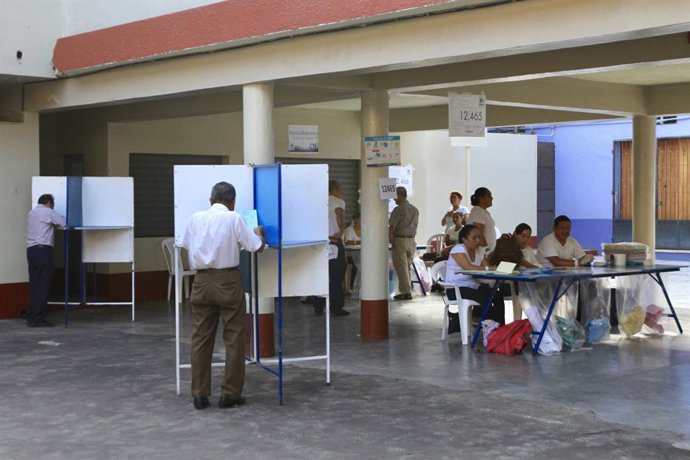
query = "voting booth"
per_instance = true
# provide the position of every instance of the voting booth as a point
(101, 209)
(291, 203)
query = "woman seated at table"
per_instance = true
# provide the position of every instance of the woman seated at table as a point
(468, 255)
(353, 233)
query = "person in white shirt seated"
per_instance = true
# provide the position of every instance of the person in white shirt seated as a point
(559, 249)
(523, 234)
(352, 235)
(468, 255)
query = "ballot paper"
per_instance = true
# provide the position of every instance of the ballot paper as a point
(505, 267)
(249, 218)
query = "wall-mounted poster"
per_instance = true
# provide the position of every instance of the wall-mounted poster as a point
(303, 138)
(382, 150)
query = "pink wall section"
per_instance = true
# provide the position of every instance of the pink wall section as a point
(214, 24)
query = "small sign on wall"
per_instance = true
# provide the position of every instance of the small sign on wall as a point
(466, 115)
(382, 150)
(303, 138)
(387, 188)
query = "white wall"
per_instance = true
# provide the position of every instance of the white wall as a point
(507, 166)
(33, 30)
(20, 159)
(84, 15)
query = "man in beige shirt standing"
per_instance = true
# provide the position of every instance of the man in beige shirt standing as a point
(402, 229)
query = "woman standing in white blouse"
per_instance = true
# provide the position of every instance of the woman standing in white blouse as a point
(481, 201)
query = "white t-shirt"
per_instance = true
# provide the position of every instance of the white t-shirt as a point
(452, 267)
(453, 234)
(479, 215)
(529, 255)
(350, 235)
(550, 246)
(213, 238)
(334, 203)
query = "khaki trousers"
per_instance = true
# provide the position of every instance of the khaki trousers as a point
(402, 253)
(218, 294)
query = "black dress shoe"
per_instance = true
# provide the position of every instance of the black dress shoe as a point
(43, 323)
(200, 402)
(407, 296)
(339, 312)
(226, 401)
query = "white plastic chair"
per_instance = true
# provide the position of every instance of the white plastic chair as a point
(168, 247)
(439, 238)
(438, 271)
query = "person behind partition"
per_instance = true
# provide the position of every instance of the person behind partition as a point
(352, 236)
(402, 229)
(213, 239)
(482, 200)
(468, 255)
(41, 222)
(559, 249)
(455, 200)
(337, 264)
(523, 235)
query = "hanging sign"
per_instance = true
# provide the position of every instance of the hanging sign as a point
(303, 138)
(466, 115)
(382, 150)
(387, 188)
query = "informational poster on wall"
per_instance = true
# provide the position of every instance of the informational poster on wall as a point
(382, 150)
(303, 138)
(466, 115)
(403, 178)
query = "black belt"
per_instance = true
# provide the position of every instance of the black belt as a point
(41, 246)
(404, 236)
(209, 270)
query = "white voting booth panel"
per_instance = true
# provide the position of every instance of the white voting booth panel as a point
(107, 202)
(296, 282)
(192, 188)
(305, 202)
(56, 186)
(105, 220)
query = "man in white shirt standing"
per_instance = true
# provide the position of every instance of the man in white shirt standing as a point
(337, 264)
(558, 249)
(41, 222)
(213, 239)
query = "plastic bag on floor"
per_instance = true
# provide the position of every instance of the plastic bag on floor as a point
(551, 343)
(595, 298)
(571, 332)
(631, 323)
(636, 291)
(597, 329)
(653, 317)
(488, 327)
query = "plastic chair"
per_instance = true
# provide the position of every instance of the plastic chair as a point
(438, 271)
(168, 247)
(435, 243)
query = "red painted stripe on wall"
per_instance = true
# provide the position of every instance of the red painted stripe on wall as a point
(218, 23)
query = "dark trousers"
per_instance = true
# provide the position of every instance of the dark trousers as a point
(40, 259)
(481, 294)
(336, 276)
(218, 295)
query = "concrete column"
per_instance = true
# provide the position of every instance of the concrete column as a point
(374, 256)
(644, 182)
(257, 114)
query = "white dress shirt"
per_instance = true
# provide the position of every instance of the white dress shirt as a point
(213, 238)
(40, 224)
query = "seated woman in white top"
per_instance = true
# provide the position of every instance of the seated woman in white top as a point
(353, 233)
(482, 200)
(468, 255)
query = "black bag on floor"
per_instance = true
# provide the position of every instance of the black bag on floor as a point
(453, 322)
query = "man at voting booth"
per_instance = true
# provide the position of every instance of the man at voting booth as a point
(213, 239)
(41, 222)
